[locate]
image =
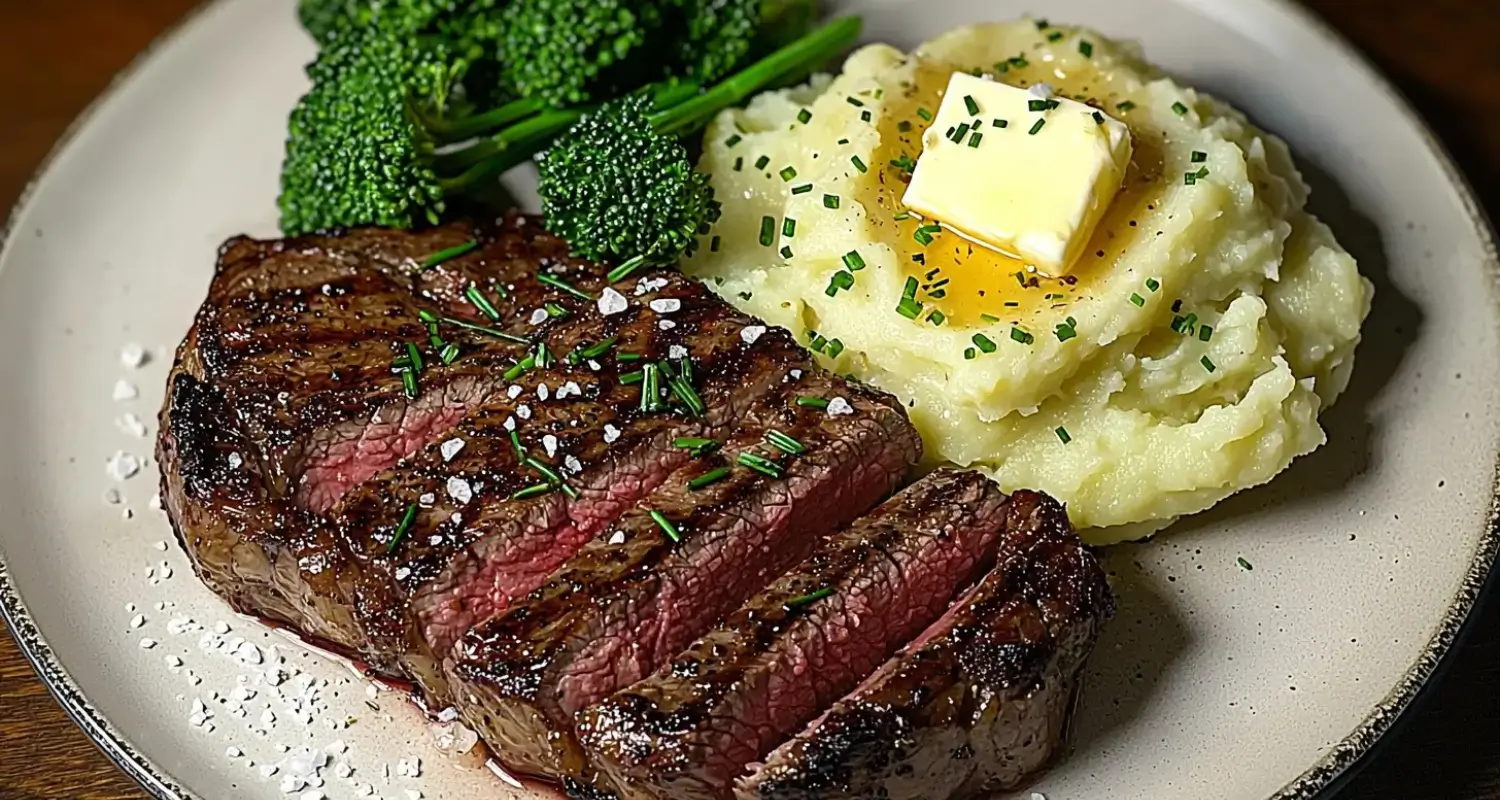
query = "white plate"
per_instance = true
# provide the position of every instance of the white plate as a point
(1213, 682)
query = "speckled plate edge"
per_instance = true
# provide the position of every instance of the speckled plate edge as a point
(1320, 781)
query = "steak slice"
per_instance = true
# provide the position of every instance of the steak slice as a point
(798, 646)
(979, 703)
(636, 596)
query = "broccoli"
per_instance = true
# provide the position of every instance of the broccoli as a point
(716, 36)
(621, 186)
(574, 51)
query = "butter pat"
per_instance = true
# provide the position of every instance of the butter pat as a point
(1034, 189)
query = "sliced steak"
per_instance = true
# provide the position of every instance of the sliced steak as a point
(979, 703)
(636, 596)
(795, 648)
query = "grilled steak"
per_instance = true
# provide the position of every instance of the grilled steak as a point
(978, 703)
(310, 483)
(711, 537)
(799, 645)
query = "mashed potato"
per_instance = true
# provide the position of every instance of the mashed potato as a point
(1185, 358)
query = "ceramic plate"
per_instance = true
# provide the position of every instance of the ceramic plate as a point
(1214, 681)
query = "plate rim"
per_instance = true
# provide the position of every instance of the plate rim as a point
(1320, 781)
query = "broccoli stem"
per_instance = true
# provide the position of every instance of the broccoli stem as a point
(795, 59)
(685, 107)
(443, 129)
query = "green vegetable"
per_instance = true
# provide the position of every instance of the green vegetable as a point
(620, 184)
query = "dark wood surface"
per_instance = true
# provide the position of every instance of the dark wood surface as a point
(57, 55)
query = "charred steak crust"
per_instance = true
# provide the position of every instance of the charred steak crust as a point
(634, 597)
(979, 703)
(798, 646)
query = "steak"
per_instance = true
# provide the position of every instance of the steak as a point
(977, 705)
(309, 483)
(635, 597)
(798, 646)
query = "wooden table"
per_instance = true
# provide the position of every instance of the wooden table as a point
(56, 55)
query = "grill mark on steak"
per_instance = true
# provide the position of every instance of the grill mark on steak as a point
(977, 704)
(462, 562)
(633, 597)
(769, 668)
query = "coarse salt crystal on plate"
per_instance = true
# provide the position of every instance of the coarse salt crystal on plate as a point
(612, 302)
(125, 390)
(133, 356)
(123, 466)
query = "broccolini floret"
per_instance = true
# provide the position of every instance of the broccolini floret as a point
(565, 52)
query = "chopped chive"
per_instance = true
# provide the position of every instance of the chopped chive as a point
(838, 282)
(1098, 118)
(1055, 36)
(760, 163)
(558, 283)
(449, 353)
(960, 132)
(1086, 48)
(785, 443)
(596, 350)
(520, 368)
(1012, 304)
(570, 492)
(515, 441)
(1176, 306)
(687, 395)
(974, 138)
(628, 357)
(1202, 173)
(990, 318)
(1066, 330)
(1125, 105)
(1207, 363)
(555, 311)
(858, 164)
(804, 116)
(543, 356)
(786, 251)
(970, 104)
(843, 141)
(733, 140)
(1205, 333)
(650, 388)
(830, 201)
(809, 599)
(1136, 299)
(414, 356)
(984, 343)
(1062, 434)
(409, 384)
(534, 491)
(854, 101)
(401, 529)
(1018, 335)
(709, 478)
(427, 316)
(864, 116)
(1019, 62)
(632, 377)
(625, 269)
(1042, 24)
(802, 189)
(767, 231)
(901, 216)
(937, 318)
(544, 469)
(910, 290)
(854, 261)
(970, 354)
(789, 227)
(450, 253)
(1190, 179)
(904, 163)
(924, 114)
(713, 244)
(834, 348)
(904, 126)
(1153, 284)
(787, 173)
(939, 294)
(1037, 105)
(739, 164)
(1037, 128)
(807, 401)
(818, 343)
(1001, 123)
(1244, 565)
(1021, 278)
(476, 296)
(1179, 108)
(764, 466)
(1199, 156)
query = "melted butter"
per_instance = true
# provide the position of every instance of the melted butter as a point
(972, 285)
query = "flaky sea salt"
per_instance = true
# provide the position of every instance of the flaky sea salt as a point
(450, 448)
(666, 305)
(750, 333)
(123, 466)
(838, 406)
(612, 302)
(125, 390)
(133, 356)
(460, 490)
